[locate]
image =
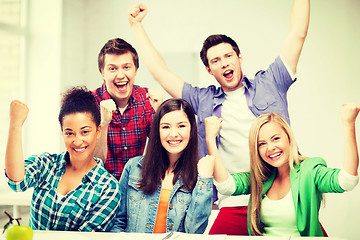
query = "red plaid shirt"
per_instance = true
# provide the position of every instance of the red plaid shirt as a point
(127, 133)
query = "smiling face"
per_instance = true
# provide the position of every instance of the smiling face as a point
(273, 145)
(80, 136)
(119, 74)
(225, 66)
(174, 133)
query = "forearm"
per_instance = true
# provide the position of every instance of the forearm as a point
(101, 148)
(14, 157)
(220, 172)
(299, 19)
(299, 23)
(351, 156)
(155, 63)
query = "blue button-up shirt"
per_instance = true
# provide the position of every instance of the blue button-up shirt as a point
(188, 211)
(91, 206)
(264, 94)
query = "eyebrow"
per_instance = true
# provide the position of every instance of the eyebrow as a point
(176, 123)
(69, 129)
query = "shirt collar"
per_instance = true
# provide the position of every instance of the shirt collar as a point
(90, 176)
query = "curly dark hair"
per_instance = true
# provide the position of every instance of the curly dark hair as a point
(79, 99)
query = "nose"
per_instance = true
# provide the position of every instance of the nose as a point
(224, 63)
(77, 140)
(173, 132)
(271, 146)
(120, 74)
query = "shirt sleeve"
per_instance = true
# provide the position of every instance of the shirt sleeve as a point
(199, 210)
(293, 75)
(33, 169)
(227, 187)
(120, 222)
(347, 181)
(242, 183)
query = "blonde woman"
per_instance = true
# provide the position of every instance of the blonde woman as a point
(286, 188)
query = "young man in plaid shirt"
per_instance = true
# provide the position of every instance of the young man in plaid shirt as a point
(126, 109)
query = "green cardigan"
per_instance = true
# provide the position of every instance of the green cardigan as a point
(308, 182)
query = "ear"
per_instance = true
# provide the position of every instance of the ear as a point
(98, 132)
(209, 70)
(240, 58)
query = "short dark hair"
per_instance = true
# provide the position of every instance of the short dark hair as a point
(79, 99)
(156, 160)
(117, 46)
(214, 40)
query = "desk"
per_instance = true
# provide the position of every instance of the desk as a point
(59, 235)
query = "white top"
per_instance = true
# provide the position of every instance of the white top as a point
(234, 140)
(279, 216)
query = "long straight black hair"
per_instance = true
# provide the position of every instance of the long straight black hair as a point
(156, 160)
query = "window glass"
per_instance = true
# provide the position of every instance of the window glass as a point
(10, 12)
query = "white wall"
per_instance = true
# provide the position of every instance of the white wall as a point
(43, 77)
(327, 71)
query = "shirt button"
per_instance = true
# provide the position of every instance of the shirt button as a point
(125, 148)
(171, 227)
(171, 206)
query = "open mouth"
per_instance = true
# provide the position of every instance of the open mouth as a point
(121, 85)
(275, 156)
(228, 74)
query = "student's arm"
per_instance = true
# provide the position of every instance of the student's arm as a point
(14, 157)
(106, 109)
(156, 97)
(156, 65)
(299, 22)
(351, 156)
(212, 127)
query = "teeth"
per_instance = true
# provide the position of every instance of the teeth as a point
(227, 72)
(121, 83)
(275, 155)
(79, 149)
(174, 142)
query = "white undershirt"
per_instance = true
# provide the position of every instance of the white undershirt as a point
(234, 140)
(279, 216)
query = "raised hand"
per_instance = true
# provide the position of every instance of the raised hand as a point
(107, 107)
(137, 13)
(156, 97)
(212, 127)
(349, 112)
(18, 113)
(206, 166)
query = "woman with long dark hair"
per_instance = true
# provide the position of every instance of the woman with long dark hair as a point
(167, 189)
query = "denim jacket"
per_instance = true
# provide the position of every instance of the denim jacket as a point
(188, 211)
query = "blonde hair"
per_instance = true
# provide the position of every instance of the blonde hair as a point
(260, 171)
